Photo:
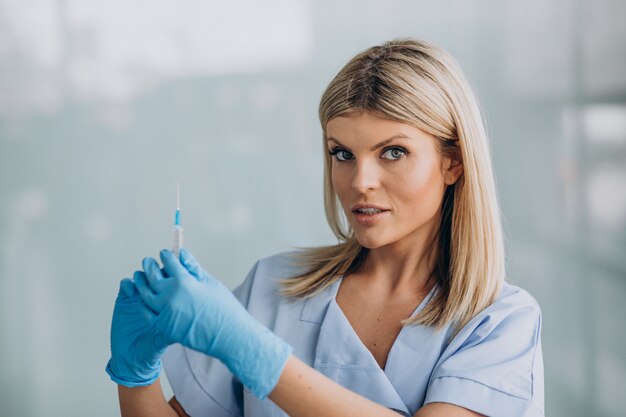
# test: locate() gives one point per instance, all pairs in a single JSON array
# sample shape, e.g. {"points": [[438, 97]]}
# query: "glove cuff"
{"points": [[131, 379], [259, 361], [265, 387]]}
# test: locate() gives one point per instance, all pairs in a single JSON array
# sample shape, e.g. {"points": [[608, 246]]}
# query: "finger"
{"points": [[153, 274], [171, 264], [145, 293], [127, 288], [192, 265]]}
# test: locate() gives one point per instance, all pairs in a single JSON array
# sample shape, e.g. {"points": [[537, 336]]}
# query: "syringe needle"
{"points": [[178, 195]]}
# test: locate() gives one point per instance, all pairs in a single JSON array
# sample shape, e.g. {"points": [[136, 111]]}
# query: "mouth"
{"points": [[368, 210], [368, 216]]}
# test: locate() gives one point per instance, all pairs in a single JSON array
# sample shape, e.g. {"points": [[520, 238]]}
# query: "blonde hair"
{"points": [[417, 83]]}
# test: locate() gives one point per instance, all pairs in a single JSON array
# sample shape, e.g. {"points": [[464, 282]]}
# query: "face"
{"points": [[393, 167]]}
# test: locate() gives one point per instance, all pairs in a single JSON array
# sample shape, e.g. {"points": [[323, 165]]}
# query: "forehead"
{"points": [[369, 128]]}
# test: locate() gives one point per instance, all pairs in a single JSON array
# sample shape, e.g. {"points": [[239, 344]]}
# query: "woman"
{"points": [[408, 314]]}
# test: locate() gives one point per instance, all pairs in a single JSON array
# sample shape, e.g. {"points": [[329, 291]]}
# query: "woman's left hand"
{"points": [[198, 311], [135, 354]]}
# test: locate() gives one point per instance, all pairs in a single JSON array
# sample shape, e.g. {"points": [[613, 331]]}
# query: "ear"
{"points": [[452, 169]]}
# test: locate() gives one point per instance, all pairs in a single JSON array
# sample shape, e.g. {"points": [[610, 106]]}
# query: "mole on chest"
{"points": [[378, 335]]}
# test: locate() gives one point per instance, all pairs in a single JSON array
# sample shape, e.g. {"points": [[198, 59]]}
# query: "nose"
{"points": [[366, 177]]}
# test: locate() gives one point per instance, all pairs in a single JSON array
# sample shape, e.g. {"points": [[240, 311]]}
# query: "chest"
{"points": [[377, 324]]}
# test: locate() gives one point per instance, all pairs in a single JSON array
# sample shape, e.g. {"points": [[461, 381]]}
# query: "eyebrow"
{"points": [[378, 145]]}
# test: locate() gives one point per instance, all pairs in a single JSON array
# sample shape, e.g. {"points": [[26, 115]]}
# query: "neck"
{"points": [[403, 267]]}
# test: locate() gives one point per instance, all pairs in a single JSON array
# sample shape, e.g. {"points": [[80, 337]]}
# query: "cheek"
{"points": [[340, 178], [340, 182], [420, 187]]}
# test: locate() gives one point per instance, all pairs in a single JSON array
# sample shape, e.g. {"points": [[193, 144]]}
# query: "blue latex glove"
{"points": [[135, 357], [198, 311]]}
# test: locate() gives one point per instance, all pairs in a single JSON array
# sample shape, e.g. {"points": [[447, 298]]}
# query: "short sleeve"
{"points": [[494, 365], [203, 385]]}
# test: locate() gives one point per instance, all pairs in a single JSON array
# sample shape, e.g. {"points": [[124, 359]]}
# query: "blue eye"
{"points": [[392, 154], [395, 153], [338, 151]]}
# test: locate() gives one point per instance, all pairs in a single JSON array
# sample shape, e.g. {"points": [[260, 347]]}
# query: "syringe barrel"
{"points": [[178, 239]]}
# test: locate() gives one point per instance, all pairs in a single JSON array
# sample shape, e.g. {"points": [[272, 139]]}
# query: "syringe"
{"points": [[178, 230]]}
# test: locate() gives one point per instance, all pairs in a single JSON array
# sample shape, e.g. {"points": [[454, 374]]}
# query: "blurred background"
{"points": [[104, 106]]}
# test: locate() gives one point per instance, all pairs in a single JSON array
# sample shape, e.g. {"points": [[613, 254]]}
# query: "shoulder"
{"points": [[513, 300], [512, 295], [269, 270], [513, 318], [496, 357], [261, 285], [279, 265], [515, 304]]}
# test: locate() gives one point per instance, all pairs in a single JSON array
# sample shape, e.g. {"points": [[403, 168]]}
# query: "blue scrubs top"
{"points": [[493, 366]]}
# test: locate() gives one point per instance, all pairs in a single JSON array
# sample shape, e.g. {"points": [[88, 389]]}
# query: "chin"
{"points": [[370, 242]]}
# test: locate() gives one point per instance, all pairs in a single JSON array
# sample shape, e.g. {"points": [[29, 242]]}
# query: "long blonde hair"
{"points": [[417, 83]]}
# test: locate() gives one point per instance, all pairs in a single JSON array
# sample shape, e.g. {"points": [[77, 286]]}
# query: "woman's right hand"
{"points": [[135, 355]]}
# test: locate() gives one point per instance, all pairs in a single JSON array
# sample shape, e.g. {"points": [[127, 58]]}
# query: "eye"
{"points": [[395, 153], [340, 154]]}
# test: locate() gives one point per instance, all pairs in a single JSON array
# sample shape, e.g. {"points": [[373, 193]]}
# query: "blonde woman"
{"points": [[408, 314]]}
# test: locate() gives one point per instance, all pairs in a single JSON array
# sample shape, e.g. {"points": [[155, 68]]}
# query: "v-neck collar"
{"points": [[399, 338], [391, 356], [314, 309], [342, 356]]}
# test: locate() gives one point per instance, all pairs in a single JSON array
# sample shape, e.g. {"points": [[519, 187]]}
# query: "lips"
{"points": [[356, 207], [369, 219]]}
